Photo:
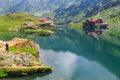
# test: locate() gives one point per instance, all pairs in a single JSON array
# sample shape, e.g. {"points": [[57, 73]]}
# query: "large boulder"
{"points": [[17, 59]]}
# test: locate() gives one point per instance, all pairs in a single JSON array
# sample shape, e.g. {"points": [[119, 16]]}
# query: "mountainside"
{"points": [[83, 8], [112, 16], [72, 10], [36, 7]]}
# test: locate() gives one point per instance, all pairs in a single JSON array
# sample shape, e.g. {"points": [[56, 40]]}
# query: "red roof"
{"points": [[93, 20], [96, 20], [43, 19]]}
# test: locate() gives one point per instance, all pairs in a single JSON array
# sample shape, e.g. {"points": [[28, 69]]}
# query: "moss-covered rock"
{"points": [[23, 71]]}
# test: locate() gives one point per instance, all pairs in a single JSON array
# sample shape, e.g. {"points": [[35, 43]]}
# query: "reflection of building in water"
{"points": [[95, 26]]}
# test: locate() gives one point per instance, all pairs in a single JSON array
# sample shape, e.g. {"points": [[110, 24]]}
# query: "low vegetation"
{"points": [[75, 25], [9, 21], [22, 23], [23, 71], [112, 15], [25, 47]]}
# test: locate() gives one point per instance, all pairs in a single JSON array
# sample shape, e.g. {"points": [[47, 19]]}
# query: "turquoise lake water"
{"points": [[77, 56]]}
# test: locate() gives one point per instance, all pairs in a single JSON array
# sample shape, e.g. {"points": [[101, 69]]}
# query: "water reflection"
{"points": [[68, 66], [104, 53], [76, 56]]}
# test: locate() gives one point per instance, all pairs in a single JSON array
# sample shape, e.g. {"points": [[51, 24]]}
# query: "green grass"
{"points": [[75, 25], [112, 16], [7, 35], [23, 49], [26, 47], [4, 72], [9, 21], [39, 32], [78, 17]]}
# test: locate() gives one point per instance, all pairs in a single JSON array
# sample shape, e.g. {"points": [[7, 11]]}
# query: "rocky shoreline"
{"points": [[13, 59], [14, 63]]}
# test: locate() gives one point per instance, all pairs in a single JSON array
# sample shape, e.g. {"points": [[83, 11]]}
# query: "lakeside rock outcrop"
{"points": [[36, 27], [13, 59], [23, 61]]}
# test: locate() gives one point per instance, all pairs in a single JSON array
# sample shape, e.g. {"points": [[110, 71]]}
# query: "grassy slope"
{"points": [[112, 16], [23, 49], [9, 21]]}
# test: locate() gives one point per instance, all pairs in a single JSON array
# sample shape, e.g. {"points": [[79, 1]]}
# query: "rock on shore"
{"points": [[24, 61], [17, 60]]}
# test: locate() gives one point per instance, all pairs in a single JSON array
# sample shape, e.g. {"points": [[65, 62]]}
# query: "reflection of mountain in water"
{"points": [[72, 40]]}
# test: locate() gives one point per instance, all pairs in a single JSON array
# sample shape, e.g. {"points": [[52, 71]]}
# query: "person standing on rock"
{"points": [[17, 47], [7, 47]]}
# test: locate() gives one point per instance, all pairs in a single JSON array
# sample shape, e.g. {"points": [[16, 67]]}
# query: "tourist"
{"points": [[7, 47], [17, 47], [37, 55]]}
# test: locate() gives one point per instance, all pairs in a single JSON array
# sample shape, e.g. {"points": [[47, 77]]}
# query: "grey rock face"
{"points": [[20, 59]]}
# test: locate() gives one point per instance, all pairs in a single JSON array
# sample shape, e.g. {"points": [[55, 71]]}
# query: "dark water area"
{"points": [[77, 56]]}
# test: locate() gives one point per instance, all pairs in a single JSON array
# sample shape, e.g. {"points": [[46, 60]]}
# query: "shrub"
{"points": [[2, 73]]}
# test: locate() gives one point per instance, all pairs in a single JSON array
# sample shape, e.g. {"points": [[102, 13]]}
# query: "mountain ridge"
{"points": [[30, 6], [83, 9], [72, 10]]}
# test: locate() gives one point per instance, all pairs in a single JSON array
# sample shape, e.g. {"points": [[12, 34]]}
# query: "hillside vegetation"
{"points": [[23, 25], [9, 21], [112, 16]]}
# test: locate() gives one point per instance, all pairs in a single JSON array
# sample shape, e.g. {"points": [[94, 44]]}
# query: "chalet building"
{"points": [[95, 26], [46, 20]]}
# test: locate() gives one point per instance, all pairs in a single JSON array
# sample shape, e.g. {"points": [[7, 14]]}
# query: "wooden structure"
{"points": [[96, 26]]}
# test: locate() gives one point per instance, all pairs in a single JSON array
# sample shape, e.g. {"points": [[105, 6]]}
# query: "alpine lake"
{"points": [[74, 56]]}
